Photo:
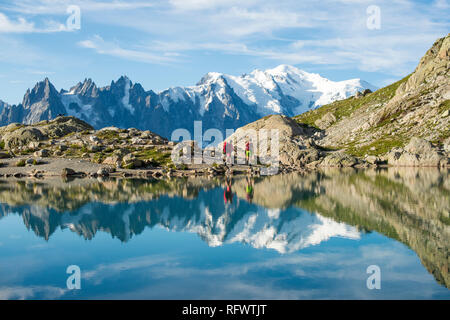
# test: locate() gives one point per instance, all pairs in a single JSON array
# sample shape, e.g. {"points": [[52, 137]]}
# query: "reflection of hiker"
{"points": [[247, 151], [249, 189], [228, 193]]}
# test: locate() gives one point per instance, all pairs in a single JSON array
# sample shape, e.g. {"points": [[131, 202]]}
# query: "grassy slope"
{"points": [[345, 108]]}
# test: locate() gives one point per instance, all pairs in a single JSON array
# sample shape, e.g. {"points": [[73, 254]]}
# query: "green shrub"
{"points": [[20, 163]]}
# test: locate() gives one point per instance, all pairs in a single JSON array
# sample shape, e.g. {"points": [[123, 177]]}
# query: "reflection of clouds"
{"points": [[104, 271], [45, 245], [22, 293], [339, 273], [16, 268]]}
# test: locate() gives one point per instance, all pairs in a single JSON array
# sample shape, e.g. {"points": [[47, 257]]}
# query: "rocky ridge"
{"points": [[380, 125]]}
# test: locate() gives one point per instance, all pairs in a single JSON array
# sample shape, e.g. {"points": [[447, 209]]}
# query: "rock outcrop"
{"points": [[277, 135], [373, 124], [417, 153], [17, 135]]}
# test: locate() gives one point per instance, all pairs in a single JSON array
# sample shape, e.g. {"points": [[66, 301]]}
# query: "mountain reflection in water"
{"points": [[408, 205]]}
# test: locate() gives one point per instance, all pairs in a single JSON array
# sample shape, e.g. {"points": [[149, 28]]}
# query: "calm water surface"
{"points": [[281, 237]]}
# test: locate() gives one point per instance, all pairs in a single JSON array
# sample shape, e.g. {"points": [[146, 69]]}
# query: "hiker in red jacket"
{"points": [[247, 152]]}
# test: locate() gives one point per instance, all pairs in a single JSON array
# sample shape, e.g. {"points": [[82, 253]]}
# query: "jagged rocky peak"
{"points": [[122, 81], [87, 88], [121, 87], [43, 90]]}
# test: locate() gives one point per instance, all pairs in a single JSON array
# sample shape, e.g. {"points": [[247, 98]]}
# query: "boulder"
{"points": [[94, 139], [94, 148], [417, 153], [112, 160], [62, 147], [418, 146], [43, 153], [104, 172], [157, 174], [446, 145], [137, 140], [338, 159], [115, 129], [4, 155], [130, 161], [373, 160], [327, 120], [22, 137], [34, 144], [121, 152], [65, 172], [366, 92]]}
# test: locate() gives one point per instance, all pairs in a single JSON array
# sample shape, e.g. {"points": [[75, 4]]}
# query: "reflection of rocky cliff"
{"points": [[411, 206]]}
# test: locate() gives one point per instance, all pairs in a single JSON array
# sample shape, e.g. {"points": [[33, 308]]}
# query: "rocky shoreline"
{"points": [[69, 147]]}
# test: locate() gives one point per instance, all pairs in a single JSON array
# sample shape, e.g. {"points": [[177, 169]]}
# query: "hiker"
{"points": [[224, 151], [247, 152]]}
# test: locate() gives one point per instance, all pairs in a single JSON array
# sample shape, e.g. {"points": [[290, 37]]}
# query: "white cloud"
{"points": [[441, 4], [32, 292], [114, 49], [21, 25], [202, 4], [8, 26], [51, 7], [330, 32], [242, 22]]}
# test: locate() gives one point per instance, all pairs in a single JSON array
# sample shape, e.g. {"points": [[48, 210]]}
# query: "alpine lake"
{"points": [[329, 234]]}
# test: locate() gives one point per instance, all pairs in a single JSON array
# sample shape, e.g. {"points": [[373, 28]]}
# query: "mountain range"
{"points": [[218, 100]]}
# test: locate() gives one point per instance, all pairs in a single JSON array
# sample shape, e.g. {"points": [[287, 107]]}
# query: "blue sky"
{"points": [[175, 42]]}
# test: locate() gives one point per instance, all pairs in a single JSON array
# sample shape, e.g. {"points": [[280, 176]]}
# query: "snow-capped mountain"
{"points": [[218, 100], [286, 89]]}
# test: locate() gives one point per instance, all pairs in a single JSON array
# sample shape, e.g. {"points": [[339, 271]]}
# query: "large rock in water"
{"points": [[295, 147], [417, 153], [21, 135]]}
